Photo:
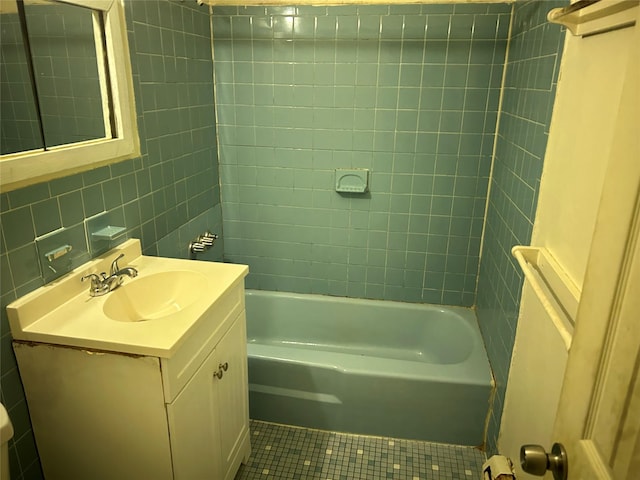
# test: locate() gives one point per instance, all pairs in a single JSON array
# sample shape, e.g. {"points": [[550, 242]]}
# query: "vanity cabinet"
{"points": [[108, 415]]}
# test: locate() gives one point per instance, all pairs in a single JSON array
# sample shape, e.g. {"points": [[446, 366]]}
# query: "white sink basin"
{"points": [[151, 314], [156, 296]]}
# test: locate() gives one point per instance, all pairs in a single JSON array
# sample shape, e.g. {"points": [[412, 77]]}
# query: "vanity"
{"points": [[148, 381]]}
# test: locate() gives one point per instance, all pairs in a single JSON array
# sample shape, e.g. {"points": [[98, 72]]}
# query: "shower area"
{"points": [[411, 95]]}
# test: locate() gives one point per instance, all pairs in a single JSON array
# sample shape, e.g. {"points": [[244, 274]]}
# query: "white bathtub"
{"points": [[366, 366]]}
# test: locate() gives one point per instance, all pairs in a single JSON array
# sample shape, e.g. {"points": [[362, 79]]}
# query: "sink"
{"points": [[151, 314], [155, 296]]}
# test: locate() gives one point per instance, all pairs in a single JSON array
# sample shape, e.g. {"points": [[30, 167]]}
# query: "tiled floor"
{"points": [[284, 452]]}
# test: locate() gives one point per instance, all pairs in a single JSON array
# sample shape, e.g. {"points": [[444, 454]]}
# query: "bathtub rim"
{"points": [[475, 369]]}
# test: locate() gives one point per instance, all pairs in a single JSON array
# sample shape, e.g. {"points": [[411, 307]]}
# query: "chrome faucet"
{"points": [[103, 284]]}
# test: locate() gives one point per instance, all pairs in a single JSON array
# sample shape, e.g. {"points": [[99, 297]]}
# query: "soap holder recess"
{"points": [[352, 180], [108, 233]]}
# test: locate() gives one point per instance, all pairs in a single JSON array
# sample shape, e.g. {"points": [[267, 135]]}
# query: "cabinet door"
{"points": [[232, 397], [195, 446], [96, 415]]}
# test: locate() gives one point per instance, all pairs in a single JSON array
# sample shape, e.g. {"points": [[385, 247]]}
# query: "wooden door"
{"points": [[598, 418]]}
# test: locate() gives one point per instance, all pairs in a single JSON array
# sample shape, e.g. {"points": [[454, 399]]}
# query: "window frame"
{"points": [[122, 142]]}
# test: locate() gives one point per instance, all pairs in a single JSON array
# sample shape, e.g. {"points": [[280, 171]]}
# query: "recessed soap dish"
{"points": [[352, 180]]}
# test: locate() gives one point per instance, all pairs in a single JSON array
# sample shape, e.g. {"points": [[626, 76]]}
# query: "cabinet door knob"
{"points": [[224, 366], [218, 374]]}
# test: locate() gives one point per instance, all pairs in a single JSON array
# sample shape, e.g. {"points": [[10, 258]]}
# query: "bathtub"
{"points": [[368, 367]]}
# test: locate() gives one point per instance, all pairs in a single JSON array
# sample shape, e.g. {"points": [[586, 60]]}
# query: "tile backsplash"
{"points": [[409, 92]]}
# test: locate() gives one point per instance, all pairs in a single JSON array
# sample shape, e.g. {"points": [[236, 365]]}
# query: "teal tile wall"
{"points": [[66, 72], [19, 129], [410, 92], [530, 84], [166, 197]]}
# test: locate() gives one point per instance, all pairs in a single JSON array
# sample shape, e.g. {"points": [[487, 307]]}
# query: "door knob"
{"points": [[536, 461]]}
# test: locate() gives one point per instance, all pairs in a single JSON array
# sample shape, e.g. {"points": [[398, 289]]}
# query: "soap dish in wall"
{"points": [[352, 180], [108, 233]]}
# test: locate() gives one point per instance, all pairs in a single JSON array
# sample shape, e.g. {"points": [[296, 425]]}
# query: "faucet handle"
{"points": [[97, 285], [94, 277], [114, 264], [208, 238], [197, 247]]}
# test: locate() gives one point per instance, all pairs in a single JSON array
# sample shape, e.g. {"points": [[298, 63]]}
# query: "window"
{"points": [[82, 112]]}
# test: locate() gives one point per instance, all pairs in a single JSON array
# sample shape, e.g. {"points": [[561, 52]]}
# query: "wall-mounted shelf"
{"points": [[591, 17], [105, 231], [108, 233]]}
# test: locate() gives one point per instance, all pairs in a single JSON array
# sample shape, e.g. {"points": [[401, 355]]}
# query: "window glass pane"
{"points": [[63, 48], [19, 126]]}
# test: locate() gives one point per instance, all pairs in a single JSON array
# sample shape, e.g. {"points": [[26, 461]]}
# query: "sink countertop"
{"points": [[64, 313]]}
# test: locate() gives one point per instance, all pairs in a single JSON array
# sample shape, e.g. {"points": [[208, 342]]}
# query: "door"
{"points": [[232, 397], [195, 443], [598, 418]]}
